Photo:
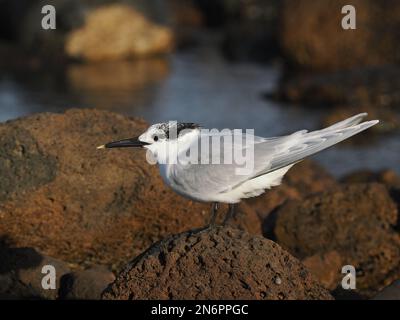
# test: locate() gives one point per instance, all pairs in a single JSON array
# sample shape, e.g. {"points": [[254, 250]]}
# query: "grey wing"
{"points": [[302, 144], [206, 176]]}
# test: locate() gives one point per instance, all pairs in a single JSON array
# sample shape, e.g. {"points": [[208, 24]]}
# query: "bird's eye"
{"points": [[155, 138]]}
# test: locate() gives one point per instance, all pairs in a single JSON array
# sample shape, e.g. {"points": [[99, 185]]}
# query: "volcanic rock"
{"points": [[312, 35], [215, 263], [84, 206], [358, 221], [85, 284], [21, 273], [326, 268]]}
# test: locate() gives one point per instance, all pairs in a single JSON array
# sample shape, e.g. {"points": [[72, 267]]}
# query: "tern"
{"points": [[220, 182]]}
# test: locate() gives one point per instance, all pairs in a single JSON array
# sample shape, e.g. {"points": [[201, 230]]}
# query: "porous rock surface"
{"points": [[216, 263], [358, 222]]}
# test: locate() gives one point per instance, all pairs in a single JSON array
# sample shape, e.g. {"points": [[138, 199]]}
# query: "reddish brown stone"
{"points": [[217, 263], [85, 284], [85, 206], [357, 220], [326, 268]]}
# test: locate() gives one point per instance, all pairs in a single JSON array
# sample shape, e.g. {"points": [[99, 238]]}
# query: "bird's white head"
{"points": [[164, 140]]}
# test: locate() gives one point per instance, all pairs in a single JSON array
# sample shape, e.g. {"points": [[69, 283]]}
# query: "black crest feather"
{"points": [[179, 127]]}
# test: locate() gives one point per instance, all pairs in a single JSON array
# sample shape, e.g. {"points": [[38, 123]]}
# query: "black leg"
{"points": [[214, 211], [230, 214]]}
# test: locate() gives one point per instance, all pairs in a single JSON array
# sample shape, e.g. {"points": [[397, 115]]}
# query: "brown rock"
{"points": [[388, 177], [309, 177], [85, 206], [356, 220], [373, 88], [86, 284], [21, 273], [326, 268], [267, 202], [216, 263], [117, 31], [346, 93], [312, 36]]}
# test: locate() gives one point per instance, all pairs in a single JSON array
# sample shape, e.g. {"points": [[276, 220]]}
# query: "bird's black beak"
{"points": [[125, 143]]}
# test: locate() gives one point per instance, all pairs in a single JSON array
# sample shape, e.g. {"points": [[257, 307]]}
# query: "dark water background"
{"points": [[197, 86]]}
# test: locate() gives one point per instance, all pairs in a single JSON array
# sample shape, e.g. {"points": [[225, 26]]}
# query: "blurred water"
{"points": [[198, 86]]}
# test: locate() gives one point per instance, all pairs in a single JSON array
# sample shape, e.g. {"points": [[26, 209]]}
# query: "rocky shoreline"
{"points": [[107, 222], [90, 213]]}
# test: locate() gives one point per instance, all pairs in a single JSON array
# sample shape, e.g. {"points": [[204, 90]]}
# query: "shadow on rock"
{"points": [[85, 284], [21, 273]]}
